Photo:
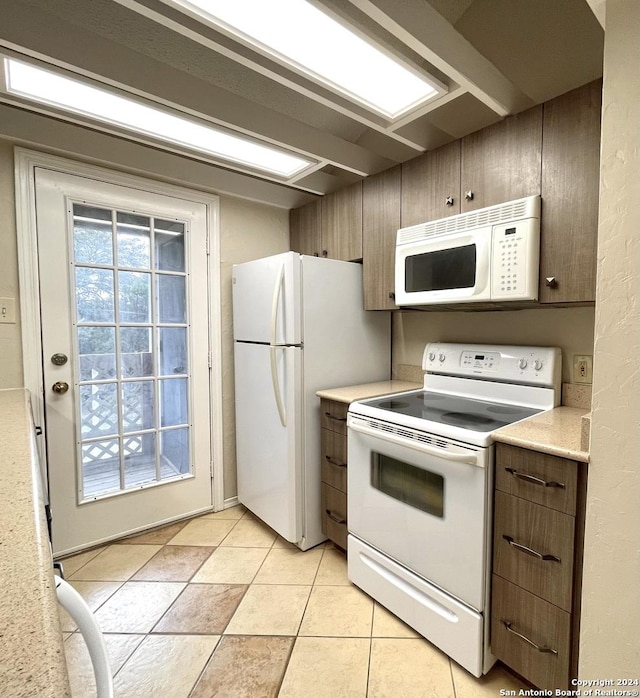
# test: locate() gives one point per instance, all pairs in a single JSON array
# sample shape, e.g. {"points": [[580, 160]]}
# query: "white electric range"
{"points": [[420, 481]]}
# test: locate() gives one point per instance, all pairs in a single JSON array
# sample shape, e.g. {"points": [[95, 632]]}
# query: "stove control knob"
{"points": [[432, 356], [537, 364], [441, 357], [522, 363]]}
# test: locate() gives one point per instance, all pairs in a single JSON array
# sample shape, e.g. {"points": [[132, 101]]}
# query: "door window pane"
{"points": [[98, 409], [94, 295], [97, 348], [169, 236], [92, 235], [100, 467], [137, 406], [174, 452], [139, 459], [136, 352], [173, 350], [408, 484], [173, 402], [171, 299], [134, 290], [134, 241]]}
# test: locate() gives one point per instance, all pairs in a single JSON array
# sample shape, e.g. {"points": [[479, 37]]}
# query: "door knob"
{"points": [[60, 387]]}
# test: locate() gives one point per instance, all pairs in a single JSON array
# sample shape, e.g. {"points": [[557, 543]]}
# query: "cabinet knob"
{"points": [[449, 201], [325, 253], [468, 195], [392, 295], [316, 254], [551, 282]]}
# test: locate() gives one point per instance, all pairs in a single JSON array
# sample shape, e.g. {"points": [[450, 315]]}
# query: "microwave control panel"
{"points": [[515, 254]]}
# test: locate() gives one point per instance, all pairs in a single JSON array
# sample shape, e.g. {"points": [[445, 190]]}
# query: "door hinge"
{"points": [[207, 242], [209, 359]]}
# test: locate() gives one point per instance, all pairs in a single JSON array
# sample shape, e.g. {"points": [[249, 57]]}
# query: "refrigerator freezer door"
{"points": [[266, 300], [268, 452]]}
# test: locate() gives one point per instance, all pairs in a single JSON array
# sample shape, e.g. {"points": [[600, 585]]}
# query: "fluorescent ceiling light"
{"points": [[299, 34], [72, 95]]}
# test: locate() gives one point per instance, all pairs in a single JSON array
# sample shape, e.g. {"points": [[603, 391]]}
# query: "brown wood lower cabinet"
{"points": [[538, 536], [333, 440]]}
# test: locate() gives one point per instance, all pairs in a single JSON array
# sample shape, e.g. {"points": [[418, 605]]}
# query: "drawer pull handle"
{"points": [[335, 517], [335, 462], [335, 419], [530, 551], [534, 480], [547, 650]]}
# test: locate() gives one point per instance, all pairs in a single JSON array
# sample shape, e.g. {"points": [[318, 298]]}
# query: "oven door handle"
{"points": [[471, 457]]}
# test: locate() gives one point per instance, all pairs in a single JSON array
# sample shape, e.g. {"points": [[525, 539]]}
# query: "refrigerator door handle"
{"points": [[277, 290], [276, 385]]}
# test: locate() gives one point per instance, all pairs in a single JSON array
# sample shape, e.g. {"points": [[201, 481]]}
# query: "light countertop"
{"points": [[366, 390], [33, 660], [557, 432]]}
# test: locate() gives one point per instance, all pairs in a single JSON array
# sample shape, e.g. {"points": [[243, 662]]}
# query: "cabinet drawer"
{"points": [[521, 529], [334, 515], [334, 459], [538, 623], [334, 416], [538, 477]]}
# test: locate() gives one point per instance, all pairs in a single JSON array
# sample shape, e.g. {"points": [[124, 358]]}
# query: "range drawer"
{"points": [[334, 459], [530, 635], [334, 515], [538, 477], [533, 547], [334, 416]]}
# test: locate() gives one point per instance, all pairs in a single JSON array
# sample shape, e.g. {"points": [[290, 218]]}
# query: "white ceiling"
{"points": [[497, 57]]}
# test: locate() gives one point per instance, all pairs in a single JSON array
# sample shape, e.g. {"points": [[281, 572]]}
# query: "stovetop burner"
{"points": [[442, 408]]}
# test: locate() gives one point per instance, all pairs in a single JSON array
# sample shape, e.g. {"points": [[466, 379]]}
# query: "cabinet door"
{"points": [[429, 182], [502, 162], [305, 229], [342, 223], [570, 183], [380, 223]]}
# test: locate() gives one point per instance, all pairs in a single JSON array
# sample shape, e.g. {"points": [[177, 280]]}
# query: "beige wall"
{"points": [[610, 632], [571, 329], [248, 230], [10, 342]]}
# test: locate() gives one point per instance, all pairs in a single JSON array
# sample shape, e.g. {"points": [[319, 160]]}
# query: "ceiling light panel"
{"points": [[305, 38], [48, 87]]}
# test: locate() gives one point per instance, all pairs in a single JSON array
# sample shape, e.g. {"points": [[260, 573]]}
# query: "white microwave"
{"points": [[491, 254]]}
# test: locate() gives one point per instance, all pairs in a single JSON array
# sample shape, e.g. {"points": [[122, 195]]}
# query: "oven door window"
{"points": [[413, 486], [452, 268]]}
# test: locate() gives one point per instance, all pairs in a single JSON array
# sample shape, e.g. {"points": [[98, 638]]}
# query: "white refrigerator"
{"points": [[299, 326]]}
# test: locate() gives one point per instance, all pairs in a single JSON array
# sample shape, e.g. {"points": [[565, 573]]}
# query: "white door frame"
{"points": [[27, 240]]}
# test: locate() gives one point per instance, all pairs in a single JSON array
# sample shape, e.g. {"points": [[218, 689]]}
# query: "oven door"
{"points": [[423, 501], [444, 269]]}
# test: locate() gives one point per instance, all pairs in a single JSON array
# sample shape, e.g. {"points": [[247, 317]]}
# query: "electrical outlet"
{"points": [[582, 368], [8, 310]]}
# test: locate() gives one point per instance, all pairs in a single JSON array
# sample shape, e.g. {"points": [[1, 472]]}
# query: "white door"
{"points": [[266, 300], [123, 285], [268, 438], [423, 501]]}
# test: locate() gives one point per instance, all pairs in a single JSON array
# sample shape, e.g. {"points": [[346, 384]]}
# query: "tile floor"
{"points": [[221, 606]]}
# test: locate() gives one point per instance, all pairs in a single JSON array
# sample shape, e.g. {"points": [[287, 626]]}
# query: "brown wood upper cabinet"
{"points": [[570, 182], [342, 223], [380, 222], [306, 228], [431, 185], [502, 162]]}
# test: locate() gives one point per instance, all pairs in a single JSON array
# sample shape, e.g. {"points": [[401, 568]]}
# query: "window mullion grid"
{"points": [[155, 341], [116, 309]]}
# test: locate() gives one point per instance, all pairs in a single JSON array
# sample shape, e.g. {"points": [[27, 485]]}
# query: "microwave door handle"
{"points": [[470, 458], [277, 290]]}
